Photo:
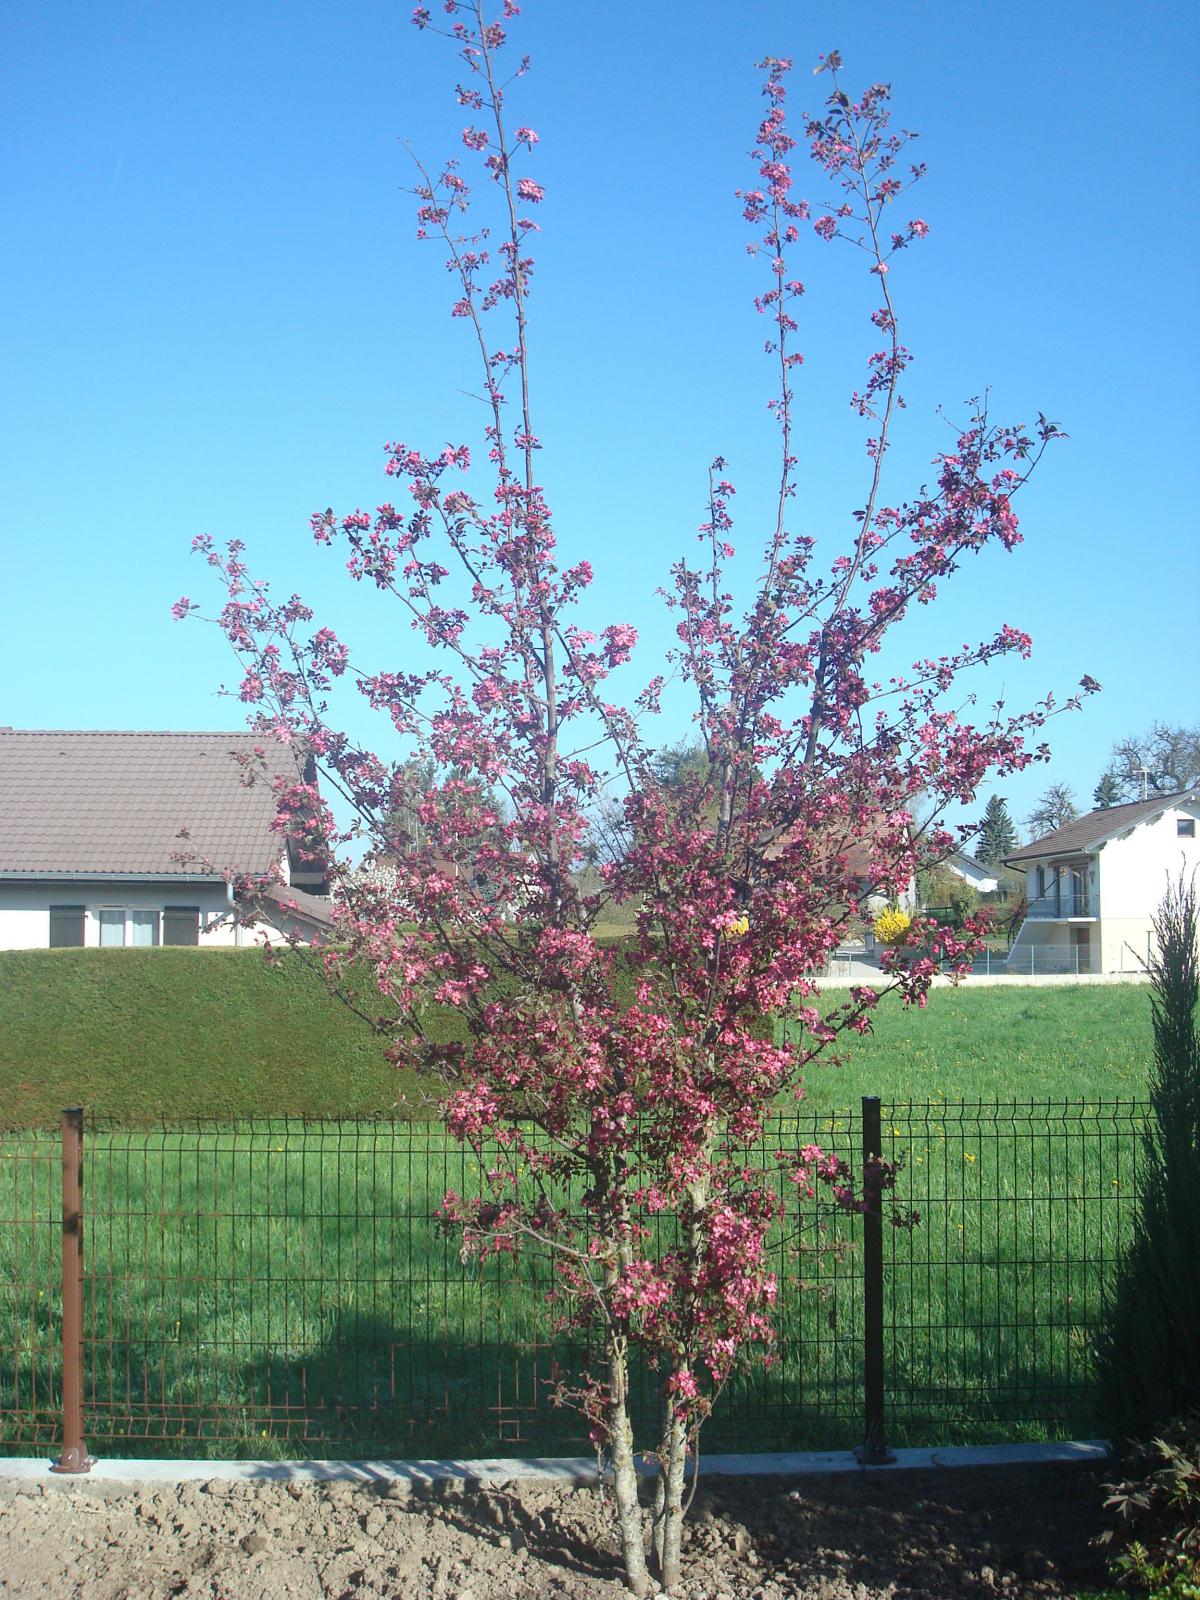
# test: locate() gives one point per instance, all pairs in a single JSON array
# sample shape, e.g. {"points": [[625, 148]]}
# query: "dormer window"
{"points": [[1185, 827]]}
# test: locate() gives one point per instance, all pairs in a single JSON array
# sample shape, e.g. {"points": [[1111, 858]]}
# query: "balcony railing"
{"points": [[1064, 902]]}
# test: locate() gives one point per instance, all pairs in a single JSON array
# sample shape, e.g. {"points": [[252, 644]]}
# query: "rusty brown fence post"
{"points": [[874, 1450], [74, 1456]]}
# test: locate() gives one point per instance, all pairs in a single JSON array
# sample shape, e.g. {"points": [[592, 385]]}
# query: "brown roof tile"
{"points": [[115, 802], [1086, 832], [313, 908]]}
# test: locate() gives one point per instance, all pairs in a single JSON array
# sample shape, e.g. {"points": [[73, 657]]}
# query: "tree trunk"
{"points": [[669, 1532], [668, 1522], [620, 1430], [658, 1519], [625, 1483]]}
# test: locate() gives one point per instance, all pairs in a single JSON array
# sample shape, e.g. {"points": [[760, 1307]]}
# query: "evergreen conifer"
{"points": [[1149, 1353]]}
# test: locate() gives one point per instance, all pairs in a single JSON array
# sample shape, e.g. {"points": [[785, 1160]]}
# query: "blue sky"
{"points": [[217, 312]]}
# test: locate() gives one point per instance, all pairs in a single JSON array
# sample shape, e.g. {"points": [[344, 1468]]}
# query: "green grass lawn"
{"points": [[1051, 1042], [219, 1032], [281, 1288], [285, 1291], [185, 1033]]}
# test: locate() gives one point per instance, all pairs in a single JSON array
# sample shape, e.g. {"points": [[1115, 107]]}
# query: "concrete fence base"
{"points": [[554, 1469]]}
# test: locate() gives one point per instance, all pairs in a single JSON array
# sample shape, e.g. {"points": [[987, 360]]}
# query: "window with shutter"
{"points": [[66, 926], [181, 925]]}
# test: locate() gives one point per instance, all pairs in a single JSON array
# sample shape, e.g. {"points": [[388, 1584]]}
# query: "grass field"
{"points": [[284, 1290], [219, 1033], [280, 1287], [1053, 1042], [183, 1032]]}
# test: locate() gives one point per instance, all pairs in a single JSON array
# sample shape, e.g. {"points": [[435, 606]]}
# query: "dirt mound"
{"points": [[1014, 1532]]}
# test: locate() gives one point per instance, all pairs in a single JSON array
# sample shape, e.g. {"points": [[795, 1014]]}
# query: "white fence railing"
{"points": [[1035, 960]]}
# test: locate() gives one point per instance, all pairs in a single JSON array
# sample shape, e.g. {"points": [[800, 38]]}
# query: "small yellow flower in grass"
{"points": [[967, 1156], [892, 925]]}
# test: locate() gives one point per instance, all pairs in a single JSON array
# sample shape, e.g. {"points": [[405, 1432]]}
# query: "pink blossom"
{"points": [[619, 641], [615, 1098]]}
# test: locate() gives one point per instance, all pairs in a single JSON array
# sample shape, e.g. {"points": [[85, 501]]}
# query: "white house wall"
{"points": [[971, 872], [25, 911], [1045, 935], [1134, 871]]}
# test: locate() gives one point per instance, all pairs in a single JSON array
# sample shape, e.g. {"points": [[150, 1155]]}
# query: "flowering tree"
{"points": [[627, 1084]]}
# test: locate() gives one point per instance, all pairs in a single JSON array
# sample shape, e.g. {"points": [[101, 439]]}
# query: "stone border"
{"points": [[551, 1469]]}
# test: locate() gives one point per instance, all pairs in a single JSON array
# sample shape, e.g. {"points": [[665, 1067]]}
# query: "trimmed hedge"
{"points": [[189, 1033], [186, 1033]]}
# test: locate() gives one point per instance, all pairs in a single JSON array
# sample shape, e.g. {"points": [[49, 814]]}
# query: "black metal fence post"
{"points": [[874, 1450], [74, 1457]]}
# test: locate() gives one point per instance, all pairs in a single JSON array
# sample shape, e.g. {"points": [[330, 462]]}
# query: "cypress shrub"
{"points": [[1149, 1352]]}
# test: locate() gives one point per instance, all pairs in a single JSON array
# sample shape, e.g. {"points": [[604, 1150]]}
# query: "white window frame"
{"points": [[127, 915], [144, 911]]}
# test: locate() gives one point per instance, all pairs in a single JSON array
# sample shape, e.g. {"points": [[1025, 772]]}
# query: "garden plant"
{"points": [[1149, 1358], [627, 1082], [1156, 1516]]}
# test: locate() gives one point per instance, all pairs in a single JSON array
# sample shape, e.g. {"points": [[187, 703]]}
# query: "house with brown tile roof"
{"points": [[1094, 884], [118, 838]]}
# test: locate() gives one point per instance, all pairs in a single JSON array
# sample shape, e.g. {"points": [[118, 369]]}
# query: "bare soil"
{"points": [[982, 1531]]}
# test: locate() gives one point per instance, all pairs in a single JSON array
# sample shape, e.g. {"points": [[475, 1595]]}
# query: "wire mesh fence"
{"points": [[283, 1288], [30, 1288], [994, 1300]]}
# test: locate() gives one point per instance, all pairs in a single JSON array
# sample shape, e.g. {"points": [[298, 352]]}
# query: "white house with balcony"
{"points": [[1092, 886], [149, 838]]}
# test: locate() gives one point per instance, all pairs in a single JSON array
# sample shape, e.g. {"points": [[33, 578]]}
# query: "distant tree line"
{"points": [[1164, 761]]}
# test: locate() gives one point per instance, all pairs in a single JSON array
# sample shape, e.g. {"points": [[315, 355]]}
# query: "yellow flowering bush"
{"points": [[892, 925]]}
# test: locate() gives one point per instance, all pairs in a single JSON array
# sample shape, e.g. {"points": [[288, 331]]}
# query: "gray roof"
{"points": [[1088, 831], [115, 803], [973, 861], [305, 907]]}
